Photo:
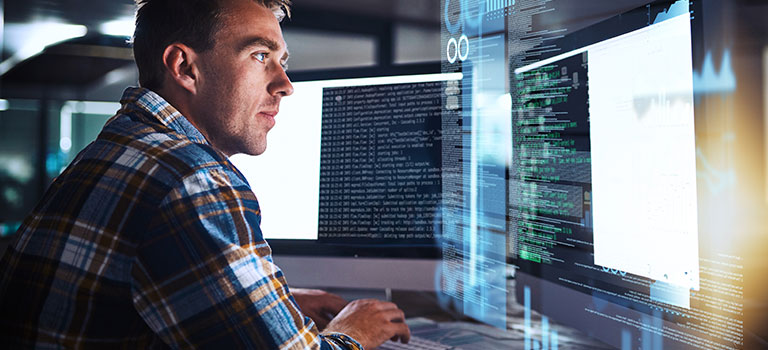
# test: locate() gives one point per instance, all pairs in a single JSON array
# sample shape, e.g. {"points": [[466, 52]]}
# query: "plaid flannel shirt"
{"points": [[149, 239]]}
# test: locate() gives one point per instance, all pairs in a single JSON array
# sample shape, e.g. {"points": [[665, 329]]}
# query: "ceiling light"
{"points": [[119, 27], [36, 37]]}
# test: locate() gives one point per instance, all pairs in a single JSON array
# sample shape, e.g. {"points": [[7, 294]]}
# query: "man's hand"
{"points": [[371, 322], [319, 305]]}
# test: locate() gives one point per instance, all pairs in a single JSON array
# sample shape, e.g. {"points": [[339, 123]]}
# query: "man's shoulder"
{"points": [[130, 142]]}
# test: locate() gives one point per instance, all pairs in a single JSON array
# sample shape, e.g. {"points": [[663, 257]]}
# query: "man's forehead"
{"points": [[247, 19]]}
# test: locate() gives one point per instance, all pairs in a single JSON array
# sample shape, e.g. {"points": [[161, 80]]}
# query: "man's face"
{"points": [[242, 79]]}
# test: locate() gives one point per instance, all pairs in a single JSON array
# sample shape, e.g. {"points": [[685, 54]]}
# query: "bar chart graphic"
{"points": [[549, 338], [493, 5]]}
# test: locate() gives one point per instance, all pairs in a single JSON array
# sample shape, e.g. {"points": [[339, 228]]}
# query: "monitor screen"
{"points": [[614, 122], [353, 161]]}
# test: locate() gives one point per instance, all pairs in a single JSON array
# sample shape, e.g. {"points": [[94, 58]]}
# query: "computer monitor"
{"points": [[350, 182], [608, 238]]}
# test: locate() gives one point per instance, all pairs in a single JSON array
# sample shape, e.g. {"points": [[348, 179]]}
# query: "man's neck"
{"points": [[181, 101]]}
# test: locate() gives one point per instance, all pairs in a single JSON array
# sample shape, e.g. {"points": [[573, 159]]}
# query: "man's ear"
{"points": [[180, 62]]}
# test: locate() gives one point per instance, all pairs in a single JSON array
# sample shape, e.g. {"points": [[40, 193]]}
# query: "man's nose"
{"points": [[280, 84]]}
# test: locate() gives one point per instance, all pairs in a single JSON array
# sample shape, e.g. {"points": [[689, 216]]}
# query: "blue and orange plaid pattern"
{"points": [[149, 239]]}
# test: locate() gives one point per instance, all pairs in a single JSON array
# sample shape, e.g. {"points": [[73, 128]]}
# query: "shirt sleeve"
{"points": [[204, 276]]}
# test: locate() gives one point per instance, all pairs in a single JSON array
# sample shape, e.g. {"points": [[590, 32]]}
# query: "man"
{"points": [[150, 238]]}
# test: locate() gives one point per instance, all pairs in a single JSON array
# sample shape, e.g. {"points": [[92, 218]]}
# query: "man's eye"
{"points": [[260, 56]]}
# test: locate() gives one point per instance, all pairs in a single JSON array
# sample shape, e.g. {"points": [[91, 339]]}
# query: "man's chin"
{"points": [[256, 150], [253, 148]]}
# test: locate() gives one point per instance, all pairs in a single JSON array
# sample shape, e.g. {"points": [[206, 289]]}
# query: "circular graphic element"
{"points": [[451, 27], [458, 49], [452, 41]]}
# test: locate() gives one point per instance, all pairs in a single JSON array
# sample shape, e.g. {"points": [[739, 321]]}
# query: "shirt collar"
{"points": [[158, 109]]}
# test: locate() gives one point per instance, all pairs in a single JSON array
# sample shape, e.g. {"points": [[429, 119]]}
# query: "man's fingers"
{"points": [[401, 331], [385, 305], [395, 316]]}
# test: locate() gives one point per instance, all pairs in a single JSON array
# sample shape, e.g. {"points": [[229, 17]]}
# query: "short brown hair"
{"points": [[160, 23]]}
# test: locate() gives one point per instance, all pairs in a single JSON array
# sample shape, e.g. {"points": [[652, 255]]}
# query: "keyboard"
{"points": [[416, 343]]}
